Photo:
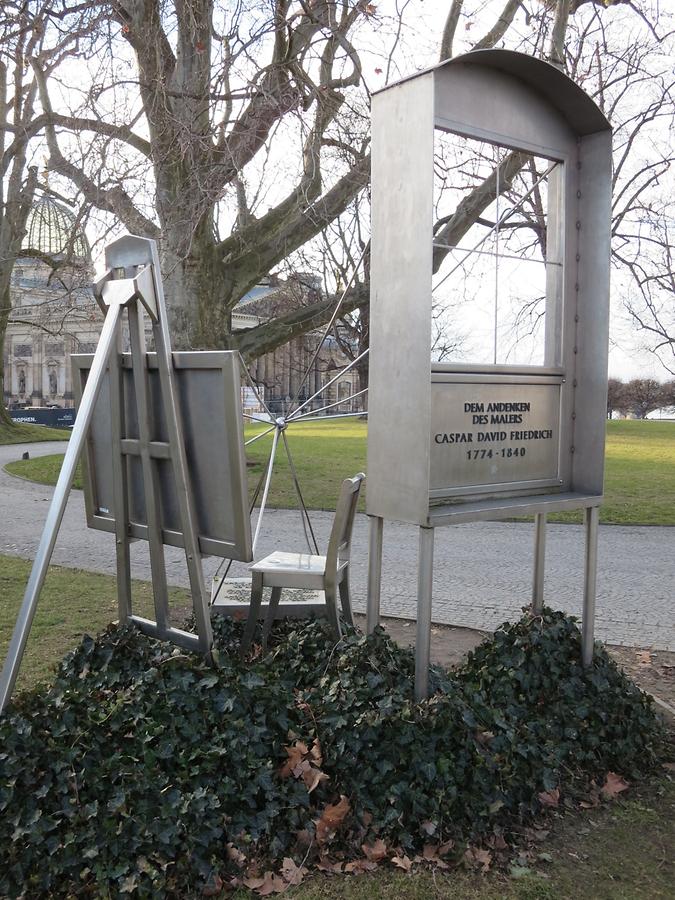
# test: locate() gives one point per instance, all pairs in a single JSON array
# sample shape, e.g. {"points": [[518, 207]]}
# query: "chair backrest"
{"points": [[340, 540]]}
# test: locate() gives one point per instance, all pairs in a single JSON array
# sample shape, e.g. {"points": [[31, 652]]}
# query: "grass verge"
{"points": [[27, 434], [72, 603], [621, 852], [639, 474]]}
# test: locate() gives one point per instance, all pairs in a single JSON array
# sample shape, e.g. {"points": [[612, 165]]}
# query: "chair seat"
{"points": [[306, 570], [291, 562], [295, 570]]}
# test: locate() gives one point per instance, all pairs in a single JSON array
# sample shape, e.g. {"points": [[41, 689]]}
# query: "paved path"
{"points": [[482, 572]]}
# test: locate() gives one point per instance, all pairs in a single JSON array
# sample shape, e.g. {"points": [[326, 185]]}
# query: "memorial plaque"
{"points": [[493, 432]]}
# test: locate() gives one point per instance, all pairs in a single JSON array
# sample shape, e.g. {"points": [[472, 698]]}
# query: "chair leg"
{"points": [[253, 612], [271, 615], [332, 611], [346, 601]]}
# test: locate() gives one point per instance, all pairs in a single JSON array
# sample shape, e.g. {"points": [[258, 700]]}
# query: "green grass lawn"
{"points": [[621, 852], [72, 603], [624, 851], [639, 475], [26, 434]]}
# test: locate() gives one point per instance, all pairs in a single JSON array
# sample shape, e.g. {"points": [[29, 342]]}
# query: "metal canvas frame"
{"points": [[515, 101], [132, 283], [214, 446]]}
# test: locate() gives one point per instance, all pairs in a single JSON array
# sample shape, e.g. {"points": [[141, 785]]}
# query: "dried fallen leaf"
{"points": [[497, 842], [296, 753], [444, 849], [303, 763], [644, 658], [428, 827], [359, 866], [325, 865], [313, 778], [550, 798], [475, 857], [291, 872], [613, 786], [376, 851], [330, 820], [213, 887], [315, 753], [268, 884], [235, 855], [402, 862]]}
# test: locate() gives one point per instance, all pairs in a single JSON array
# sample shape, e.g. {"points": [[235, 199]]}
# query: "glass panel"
{"points": [[494, 259]]}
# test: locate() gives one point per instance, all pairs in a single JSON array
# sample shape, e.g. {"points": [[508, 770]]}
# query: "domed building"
{"points": [[53, 313]]}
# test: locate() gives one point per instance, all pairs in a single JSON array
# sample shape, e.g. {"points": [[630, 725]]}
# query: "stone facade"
{"points": [[54, 312]]}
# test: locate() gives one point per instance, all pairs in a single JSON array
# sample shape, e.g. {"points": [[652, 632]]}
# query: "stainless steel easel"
{"points": [[132, 282]]}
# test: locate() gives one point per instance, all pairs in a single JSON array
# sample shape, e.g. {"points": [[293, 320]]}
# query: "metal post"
{"points": [[174, 425], [106, 344], [151, 487], [591, 519], [425, 583], [375, 530], [539, 562], [119, 483]]}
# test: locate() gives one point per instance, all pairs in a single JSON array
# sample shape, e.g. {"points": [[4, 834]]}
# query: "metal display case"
{"points": [[458, 442]]}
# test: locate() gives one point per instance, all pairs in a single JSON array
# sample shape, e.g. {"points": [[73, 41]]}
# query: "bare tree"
{"points": [[643, 395], [235, 133], [24, 37], [616, 397]]}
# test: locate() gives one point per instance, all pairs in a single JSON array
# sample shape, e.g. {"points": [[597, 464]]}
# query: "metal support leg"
{"points": [[425, 582], [539, 562], [591, 519], [120, 492], [376, 527], [17, 645], [272, 611], [253, 612]]}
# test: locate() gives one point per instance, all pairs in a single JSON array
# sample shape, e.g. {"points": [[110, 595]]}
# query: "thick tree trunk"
{"points": [[195, 286], [5, 306]]}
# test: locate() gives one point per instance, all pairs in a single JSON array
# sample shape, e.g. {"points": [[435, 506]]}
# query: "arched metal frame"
{"points": [[518, 102]]}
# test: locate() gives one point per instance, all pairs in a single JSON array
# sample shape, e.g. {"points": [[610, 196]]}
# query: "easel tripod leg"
{"points": [[57, 507], [591, 520], [425, 579]]}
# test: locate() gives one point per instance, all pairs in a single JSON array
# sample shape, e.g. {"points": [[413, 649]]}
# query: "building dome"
{"points": [[52, 229]]}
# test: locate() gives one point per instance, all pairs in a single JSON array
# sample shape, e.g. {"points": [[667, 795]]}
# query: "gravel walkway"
{"points": [[482, 571]]}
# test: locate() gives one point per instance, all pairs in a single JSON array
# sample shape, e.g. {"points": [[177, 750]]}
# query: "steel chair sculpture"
{"points": [[329, 573]]}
